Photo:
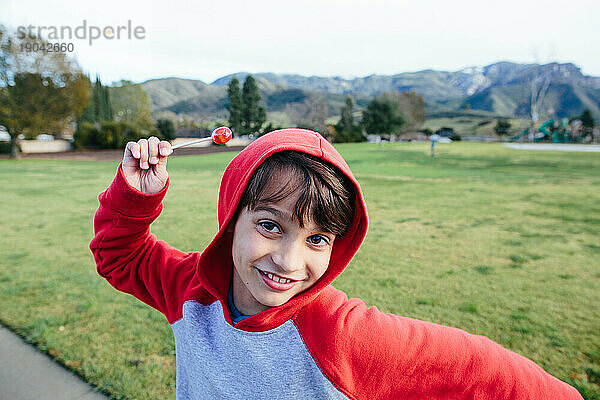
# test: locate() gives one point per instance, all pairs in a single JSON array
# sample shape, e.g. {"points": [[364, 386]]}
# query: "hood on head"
{"points": [[216, 264]]}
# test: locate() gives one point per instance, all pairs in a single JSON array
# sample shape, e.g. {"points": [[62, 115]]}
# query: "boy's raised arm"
{"points": [[125, 251]]}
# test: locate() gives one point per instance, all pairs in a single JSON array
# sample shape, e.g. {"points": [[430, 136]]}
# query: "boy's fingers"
{"points": [[165, 151], [143, 143], [153, 150], [164, 148], [132, 149]]}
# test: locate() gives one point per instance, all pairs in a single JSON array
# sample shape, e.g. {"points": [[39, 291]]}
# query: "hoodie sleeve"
{"points": [[130, 257], [368, 354]]}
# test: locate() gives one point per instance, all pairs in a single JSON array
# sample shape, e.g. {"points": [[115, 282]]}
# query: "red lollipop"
{"points": [[221, 135]]}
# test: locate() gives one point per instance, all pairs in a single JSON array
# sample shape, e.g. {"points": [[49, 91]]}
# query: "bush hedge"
{"points": [[4, 147], [109, 135]]}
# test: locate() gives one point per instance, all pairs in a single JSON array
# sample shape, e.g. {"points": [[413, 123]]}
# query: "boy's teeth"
{"points": [[276, 279]]}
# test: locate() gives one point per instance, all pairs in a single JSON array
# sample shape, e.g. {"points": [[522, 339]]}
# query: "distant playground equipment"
{"points": [[555, 132]]}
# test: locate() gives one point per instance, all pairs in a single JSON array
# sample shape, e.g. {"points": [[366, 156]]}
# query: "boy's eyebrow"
{"points": [[272, 210]]}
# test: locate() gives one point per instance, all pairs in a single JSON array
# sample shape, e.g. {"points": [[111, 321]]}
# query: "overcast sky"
{"points": [[209, 39]]}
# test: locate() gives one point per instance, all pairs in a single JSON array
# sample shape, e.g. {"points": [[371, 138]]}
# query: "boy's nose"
{"points": [[289, 257]]}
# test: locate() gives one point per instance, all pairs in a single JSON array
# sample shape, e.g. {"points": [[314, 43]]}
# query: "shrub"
{"points": [[109, 135], [353, 136], [502, 127], [166, 128], [86, 136], [454, 136], [4, 147]]}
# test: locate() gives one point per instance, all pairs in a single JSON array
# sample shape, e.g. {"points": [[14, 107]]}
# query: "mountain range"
{"points": [[502, 89]]}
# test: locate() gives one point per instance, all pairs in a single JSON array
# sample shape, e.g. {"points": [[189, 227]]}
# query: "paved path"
{"points": [[116, 155], [27, 374], [587, 148]]}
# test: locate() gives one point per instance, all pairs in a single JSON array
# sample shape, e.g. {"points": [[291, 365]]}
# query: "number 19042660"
{"points": [[47, 47]]}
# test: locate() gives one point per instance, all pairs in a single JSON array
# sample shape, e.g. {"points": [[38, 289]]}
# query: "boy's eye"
{"points": [[269, 226], [318, 240]]}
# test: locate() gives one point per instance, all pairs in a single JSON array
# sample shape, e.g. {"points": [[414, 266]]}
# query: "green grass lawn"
{"points": [[498, 242]]}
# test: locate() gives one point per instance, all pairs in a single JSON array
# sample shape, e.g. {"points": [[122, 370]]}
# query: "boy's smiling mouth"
{"points": [[275, 281]]}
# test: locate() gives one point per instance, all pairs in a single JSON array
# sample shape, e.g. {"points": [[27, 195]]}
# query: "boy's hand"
{"points": [[145, 164]]}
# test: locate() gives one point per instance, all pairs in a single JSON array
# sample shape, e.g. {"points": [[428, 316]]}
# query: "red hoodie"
{"points": [[332, 347]]}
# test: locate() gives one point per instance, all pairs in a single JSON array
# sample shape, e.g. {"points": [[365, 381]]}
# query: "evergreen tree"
{"points": [[99, 109], [346, 130], [107, 112], [586, 119], [253, 115], [97, 100], [88, 112], [346, 123], [234, 106]]}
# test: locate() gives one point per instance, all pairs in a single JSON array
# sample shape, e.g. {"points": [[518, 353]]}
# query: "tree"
{"points": [[346, 122], [381, 116], [89, 113], [130, 104], [39, 91], [234, 106], [106, 111], [586, 119], [412, 109], [346, 130], [116, 115], [410, 106], [100, 108], [253, 114], [502, 127], [96, 100]]}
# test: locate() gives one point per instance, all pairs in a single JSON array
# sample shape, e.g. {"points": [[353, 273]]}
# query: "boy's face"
{"points": [[274, 259]]}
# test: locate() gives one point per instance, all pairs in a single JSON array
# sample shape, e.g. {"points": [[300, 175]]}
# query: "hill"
{"points": [[499, 89]]}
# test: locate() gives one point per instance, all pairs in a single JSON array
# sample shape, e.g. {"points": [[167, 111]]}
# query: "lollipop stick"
{"points": [[220, 135], [192, 142]]}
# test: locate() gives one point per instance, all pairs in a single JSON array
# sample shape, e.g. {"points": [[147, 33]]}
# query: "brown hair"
{"points": [[326, 195]]}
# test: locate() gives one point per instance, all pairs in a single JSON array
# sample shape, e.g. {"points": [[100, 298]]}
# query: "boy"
{"points": [[254, 315]]}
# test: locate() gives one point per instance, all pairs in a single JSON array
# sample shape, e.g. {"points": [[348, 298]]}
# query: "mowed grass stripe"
{"points": [[495, 241]]}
